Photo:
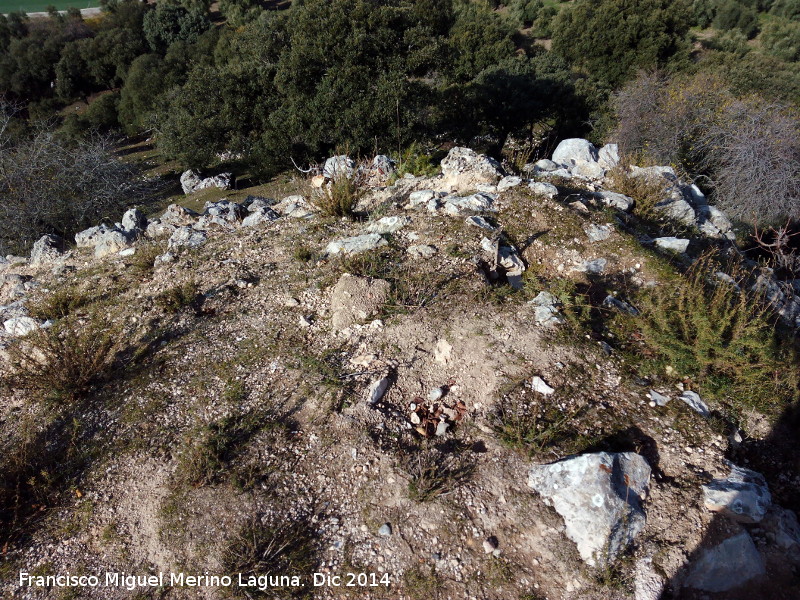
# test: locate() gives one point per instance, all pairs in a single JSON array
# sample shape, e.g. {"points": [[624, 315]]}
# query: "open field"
{"points": [[7, 6]]}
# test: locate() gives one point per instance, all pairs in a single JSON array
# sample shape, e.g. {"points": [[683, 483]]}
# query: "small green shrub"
{"points": [[530, 427], [64, 361], [645, 192], [143, 261], [59, 303], [175, 299], [415, 161], [434, 472], [720, 337], [339, 197], [281, 547]]}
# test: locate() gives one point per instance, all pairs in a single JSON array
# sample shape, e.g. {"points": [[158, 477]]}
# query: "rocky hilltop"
{"points": [[451, 393]]}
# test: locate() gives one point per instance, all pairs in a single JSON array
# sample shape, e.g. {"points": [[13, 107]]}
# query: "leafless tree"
{"points": [[754, 152], [744, 150], [49, 186]]}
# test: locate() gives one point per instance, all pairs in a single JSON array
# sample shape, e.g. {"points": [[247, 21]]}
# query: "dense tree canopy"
{"points": [[612, 38]]}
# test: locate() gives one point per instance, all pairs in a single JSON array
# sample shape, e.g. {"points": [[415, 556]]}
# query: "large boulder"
{"points": [[743, 495], [104, 239], [192, 182], [224, 214], [178, 216], [726, 566], [608, 156], [460, 205], [599, 497], [134, 221], [47, 250], [464, 169], [574, 151], [187, 237], [356, 299], [338, 166]]}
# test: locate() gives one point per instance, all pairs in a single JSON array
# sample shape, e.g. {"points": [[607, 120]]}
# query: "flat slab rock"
{"points": [[599, 497], [729, 565], [355, 245]]}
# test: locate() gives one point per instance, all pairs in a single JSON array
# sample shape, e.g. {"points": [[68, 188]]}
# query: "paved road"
{"points": [[86, 12]]}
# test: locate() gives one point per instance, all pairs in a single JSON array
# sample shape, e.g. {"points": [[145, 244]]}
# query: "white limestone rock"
{"points": [[599, 496]]}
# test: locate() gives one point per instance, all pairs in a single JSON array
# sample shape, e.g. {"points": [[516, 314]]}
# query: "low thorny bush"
{"points": [[339, 197], [716, 335], [64, 361]]}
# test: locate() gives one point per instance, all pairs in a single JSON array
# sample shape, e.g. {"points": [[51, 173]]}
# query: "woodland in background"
{"points": [[269, 83]]}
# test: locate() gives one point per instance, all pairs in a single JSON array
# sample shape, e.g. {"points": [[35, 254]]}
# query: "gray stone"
{"points": [[693, 400], [127, 252], [295, 207], [464, 168], [377, 390], [20, 326], [479, 222], [134, 221], [677, 210], [729, 565], [545, 309], [658, 399], [615, 200], [386, 225], [192, 182], [420, 197], [743, 495], [47, 250], [608, 156], [545, 165], [598, 233], [109, 240], [612, 302], [458, 205], [256, 203], [541, 188], [599, 497], [588, 170], [508, 182], [355, 245], [261, 215], [156, 229], [574, 150], [337, 166], [385, 530], [224, 214], [422, 251], [782, 526], [672, 244], [594, 267], [178, 216], [187, 237], [189, 181], [381, 169]]}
